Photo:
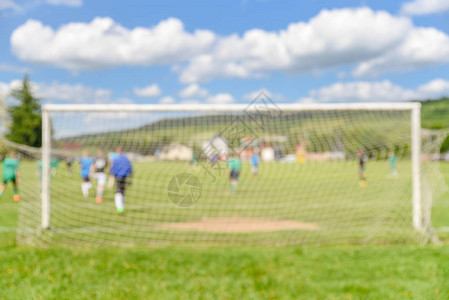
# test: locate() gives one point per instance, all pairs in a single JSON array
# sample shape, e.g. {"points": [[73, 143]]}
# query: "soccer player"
{"points": [[121, 169], [69, 162], [193, 160], [86, 165], [362, 166], [100, 176], [255, 160], [11, 173], [39, 169], [235, 166], [54, 162], [393, 159]]}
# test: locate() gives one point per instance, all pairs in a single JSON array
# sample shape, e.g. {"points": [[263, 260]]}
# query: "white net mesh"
{"points": [[309, 187]]}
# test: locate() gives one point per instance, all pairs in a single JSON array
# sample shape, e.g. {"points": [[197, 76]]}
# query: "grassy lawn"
{"points": [[65, 271], [395, 272]]}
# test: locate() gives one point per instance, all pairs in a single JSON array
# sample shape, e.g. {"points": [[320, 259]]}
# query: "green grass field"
{"points": [[325, 195], [69, 269]]}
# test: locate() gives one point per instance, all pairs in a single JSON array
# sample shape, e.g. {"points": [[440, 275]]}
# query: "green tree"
{"points": [[26, 121]]}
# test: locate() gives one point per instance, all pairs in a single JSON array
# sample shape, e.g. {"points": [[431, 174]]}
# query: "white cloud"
{"points": [[435, 88], [332, 38], [7, 87], [363, 91], [72, 93], [148, 91], [222, 98], [193, 90], [206, 67], [55, 91], [11, 68], [73, 3], [373, 42], [4, 90], [167, 100], [273, 96], [8, 4], [422, 47], [425, 7], [379, 91], [104, 43]]}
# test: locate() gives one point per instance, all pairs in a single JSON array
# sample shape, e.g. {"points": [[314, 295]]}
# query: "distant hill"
{"points": [[435, 113], [322, 131], [333, 129]]}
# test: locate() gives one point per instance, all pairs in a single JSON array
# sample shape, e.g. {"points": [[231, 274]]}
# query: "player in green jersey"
{"points": [[10, 172], [392, 158], [234, 166]]}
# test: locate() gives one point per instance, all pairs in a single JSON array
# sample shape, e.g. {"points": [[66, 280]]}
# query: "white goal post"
{"points": [[413, 107]]}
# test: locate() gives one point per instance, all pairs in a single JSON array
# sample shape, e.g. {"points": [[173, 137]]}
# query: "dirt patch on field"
{"points": [[239, 225]]}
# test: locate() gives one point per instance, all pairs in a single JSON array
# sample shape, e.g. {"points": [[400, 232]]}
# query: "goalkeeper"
{"points": [[235, 166], [11, 173], [121, 169]]}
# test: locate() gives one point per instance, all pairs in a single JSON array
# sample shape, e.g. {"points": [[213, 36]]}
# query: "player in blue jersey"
{"points": [[86, 166], [121, 169], [255, 161]]}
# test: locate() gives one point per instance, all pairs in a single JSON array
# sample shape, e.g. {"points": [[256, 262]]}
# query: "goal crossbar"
{"points": [[227, 107]]}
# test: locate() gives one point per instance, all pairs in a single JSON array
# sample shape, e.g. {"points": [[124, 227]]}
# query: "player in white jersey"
{"points": [[101, 162]]}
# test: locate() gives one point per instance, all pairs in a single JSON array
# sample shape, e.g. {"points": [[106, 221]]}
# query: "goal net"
{"points": [[257, 174]]}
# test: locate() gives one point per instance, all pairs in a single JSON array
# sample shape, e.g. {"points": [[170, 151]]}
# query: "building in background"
{"points": [[176, 151]]}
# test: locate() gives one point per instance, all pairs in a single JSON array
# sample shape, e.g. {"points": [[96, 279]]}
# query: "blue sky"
{"points": [[79, 51]]}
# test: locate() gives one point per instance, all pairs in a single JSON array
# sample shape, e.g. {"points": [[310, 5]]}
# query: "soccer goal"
{"points": [[257, 174]]}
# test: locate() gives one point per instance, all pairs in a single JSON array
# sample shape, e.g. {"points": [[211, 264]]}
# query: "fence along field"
{"points": [[289, 203]]}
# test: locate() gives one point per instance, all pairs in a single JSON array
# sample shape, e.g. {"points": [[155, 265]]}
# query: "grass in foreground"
{"points": [[226, 273]]}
